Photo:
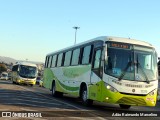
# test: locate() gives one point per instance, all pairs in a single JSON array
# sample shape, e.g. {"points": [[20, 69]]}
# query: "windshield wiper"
{"points": [[138, 64], [125, 70]]}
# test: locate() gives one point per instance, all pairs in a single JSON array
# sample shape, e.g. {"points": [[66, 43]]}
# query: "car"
{"points": [[4, 76]]}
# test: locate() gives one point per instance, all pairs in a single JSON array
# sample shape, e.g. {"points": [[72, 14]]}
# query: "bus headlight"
{"points": [[109, 87], [153, 92]]}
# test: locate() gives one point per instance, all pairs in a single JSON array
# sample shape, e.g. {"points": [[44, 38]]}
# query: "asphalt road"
{"points": [[26, 102]]}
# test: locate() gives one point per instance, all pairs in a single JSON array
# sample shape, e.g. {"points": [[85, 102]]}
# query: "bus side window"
{"points": [[54, 60], [59, 61], [75, 57], [86, 55], [67, 59], [50, 61]]}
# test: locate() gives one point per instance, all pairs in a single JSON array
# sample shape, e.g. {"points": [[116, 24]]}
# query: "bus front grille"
{"points": [[131, 101]]}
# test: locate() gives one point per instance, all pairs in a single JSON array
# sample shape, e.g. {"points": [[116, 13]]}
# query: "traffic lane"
{"points": [[77, 102], [23, 98], [99, 109], [17, 95]]}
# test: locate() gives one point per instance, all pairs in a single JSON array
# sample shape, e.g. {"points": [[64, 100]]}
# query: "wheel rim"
{"points": [[84, 95]]}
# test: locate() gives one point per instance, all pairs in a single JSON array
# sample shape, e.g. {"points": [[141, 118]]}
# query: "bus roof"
{"points": [[124, 40], [26, 63], [109, 38]]}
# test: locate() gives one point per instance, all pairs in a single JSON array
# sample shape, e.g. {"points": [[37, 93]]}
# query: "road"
{"points": [[36, 102]]}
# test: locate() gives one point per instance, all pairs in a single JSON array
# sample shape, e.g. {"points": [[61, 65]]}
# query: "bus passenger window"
{"points": [[67, 58], [59, 63], [54, 60], [75, 57], [50, 61], [86, 55]]}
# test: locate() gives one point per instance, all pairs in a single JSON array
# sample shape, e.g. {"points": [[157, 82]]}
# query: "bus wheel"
{"points": [[13, 82], [124, 106], [85, 101], [54, 92]]}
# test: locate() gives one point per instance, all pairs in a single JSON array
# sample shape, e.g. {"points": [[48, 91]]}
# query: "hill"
{"points": [[9, 60]]}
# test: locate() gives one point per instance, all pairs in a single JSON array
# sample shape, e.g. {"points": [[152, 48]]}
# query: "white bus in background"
{"points": [[24, 73]]}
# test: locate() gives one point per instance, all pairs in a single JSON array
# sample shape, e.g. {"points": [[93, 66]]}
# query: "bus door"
{"points": [[96, 74]]}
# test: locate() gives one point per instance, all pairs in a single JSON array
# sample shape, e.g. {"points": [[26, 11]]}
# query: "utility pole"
{"points": [[75, 27]]}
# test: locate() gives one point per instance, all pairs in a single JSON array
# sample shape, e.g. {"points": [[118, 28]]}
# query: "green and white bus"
{"points": [[24, 73], [105, 69]]}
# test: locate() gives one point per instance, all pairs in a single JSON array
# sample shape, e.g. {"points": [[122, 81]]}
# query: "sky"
{"points": [[30, 29]]}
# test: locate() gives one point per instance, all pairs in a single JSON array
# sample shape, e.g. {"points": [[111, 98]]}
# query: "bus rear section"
{"points": [[24, 73]]}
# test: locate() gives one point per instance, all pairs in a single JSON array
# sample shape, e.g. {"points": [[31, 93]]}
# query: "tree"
{"points": [[2, 67]]}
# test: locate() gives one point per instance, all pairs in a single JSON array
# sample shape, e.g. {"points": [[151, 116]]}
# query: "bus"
{"points": [[24, 73], [107, 69]]}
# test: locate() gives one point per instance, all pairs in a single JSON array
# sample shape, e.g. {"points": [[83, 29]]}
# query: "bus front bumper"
{"points": [[31, 82], [134, 100]]}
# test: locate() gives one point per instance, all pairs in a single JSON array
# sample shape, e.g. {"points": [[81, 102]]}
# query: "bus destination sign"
{"points": [[120, 45]]}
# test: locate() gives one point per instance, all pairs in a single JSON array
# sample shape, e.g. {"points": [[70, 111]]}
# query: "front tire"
{"points": [[84, 97]]}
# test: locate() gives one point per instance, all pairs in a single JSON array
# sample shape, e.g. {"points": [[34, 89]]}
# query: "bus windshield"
{"points": [[27, 71], [137, 64]]}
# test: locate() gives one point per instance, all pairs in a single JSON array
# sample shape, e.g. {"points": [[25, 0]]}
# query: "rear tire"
{"points": [[84, 97], [124, 106], [54, 92]]}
